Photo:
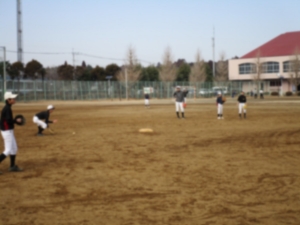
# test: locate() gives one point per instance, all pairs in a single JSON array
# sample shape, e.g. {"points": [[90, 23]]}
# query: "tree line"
{"points": [[132, 70]]}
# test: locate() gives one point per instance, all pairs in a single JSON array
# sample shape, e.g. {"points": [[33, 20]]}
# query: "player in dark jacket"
{"points": [[7, 132], [220, 103], [179, 99], [242, 104], [147, 100], [44, 115]]}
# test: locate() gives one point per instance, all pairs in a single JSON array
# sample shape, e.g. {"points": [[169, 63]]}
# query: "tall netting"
{"points": [[35, 90]]}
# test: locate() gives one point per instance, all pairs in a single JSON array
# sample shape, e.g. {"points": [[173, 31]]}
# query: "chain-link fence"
{"points": [[34, 90]]}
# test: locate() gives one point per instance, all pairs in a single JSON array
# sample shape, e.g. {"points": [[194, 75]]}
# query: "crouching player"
{"points": [[44, 115]]}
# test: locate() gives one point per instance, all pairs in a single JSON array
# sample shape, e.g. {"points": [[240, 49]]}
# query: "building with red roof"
{"points": [[270, 63]]}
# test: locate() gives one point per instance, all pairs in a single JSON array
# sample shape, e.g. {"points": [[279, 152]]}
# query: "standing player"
{"points": [[261, 94], [179, 99], [220, 103], [147, 100], [44, 115], [242, 104], [7, 132]]}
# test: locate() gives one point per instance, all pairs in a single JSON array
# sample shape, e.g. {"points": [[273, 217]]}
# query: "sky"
{"points": [[100, 32]]}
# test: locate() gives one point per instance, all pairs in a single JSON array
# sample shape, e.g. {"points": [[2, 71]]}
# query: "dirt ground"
{"points": [[197, 171]]}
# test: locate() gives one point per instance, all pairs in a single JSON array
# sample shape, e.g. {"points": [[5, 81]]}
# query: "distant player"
{"points": [[147, 100], [7, 132], [261, 94], [242, 104], [220, 103], [179, 100], [44, 115]]}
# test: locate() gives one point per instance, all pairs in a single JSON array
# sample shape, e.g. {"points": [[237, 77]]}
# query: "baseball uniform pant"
{"points": [[220, 109], [146, 101], [242, 108], [10, 144], [179, 106], [39, 122]]}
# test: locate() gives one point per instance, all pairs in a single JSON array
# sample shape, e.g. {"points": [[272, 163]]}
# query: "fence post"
{"points": [[80, 87], [45, 91], [34, 88], [54, 87], [64, 94]]}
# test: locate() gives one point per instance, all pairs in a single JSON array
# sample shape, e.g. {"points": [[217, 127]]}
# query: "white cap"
{"points": [[178, 87], [50, 107], [9, 95], [219, 93]]}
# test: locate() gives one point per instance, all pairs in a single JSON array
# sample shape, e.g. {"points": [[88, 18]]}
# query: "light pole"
{"points": [[4, 71]]}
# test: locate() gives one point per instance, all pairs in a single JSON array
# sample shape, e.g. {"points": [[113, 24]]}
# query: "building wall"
{"points": [[266, 77]]}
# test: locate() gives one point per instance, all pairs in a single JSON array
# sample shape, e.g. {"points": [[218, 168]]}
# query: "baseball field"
{"points": [[97, 169]]}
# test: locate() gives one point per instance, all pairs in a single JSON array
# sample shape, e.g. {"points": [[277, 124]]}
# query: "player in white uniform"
{"points": [[7, 132], [44, 115], [220, 103], [179, 100]]}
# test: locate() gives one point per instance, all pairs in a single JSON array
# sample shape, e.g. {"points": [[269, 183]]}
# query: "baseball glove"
{"points": [[23, 120], [223, 99]]}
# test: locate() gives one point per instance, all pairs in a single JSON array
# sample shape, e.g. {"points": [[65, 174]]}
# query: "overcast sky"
{"points": [[107, 28]]}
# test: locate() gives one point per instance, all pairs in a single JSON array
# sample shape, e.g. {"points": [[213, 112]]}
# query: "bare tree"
{"points": [[222, 68], [167, 71], [294, 70], [131, 70], [198, 69], [257, 71]]}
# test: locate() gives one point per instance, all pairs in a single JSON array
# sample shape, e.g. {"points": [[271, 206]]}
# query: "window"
{"points": [[247, 68], [270, 67], [287, 66], [275, 83]]}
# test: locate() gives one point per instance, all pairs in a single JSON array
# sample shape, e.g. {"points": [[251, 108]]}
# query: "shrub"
{"points": [[274, 93], [289, 93]]}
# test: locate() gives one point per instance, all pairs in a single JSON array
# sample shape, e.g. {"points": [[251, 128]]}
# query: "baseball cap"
{"points": [[178, 87], [9, 95], [50, 107], [219, 93]]}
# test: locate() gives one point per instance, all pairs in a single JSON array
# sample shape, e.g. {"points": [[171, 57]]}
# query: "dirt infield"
{"points": [[197, 171]]}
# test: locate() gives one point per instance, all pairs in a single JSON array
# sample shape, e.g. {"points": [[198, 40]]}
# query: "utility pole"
{"points": [[19, 31], [213, 51]]}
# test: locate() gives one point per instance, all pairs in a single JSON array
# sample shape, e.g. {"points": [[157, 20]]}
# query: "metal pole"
{"points": [[4, 71], [19, 31], [213, 46], [126, 83]]}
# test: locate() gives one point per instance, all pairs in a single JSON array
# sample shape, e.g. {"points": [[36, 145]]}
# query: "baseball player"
{"points": [[147, 100], [242, 104], [179, 99], [220, 103], [44, 115], [7, 132]]}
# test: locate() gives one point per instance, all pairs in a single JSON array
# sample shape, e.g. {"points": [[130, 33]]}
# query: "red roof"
{"points": [[283, 45]]}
